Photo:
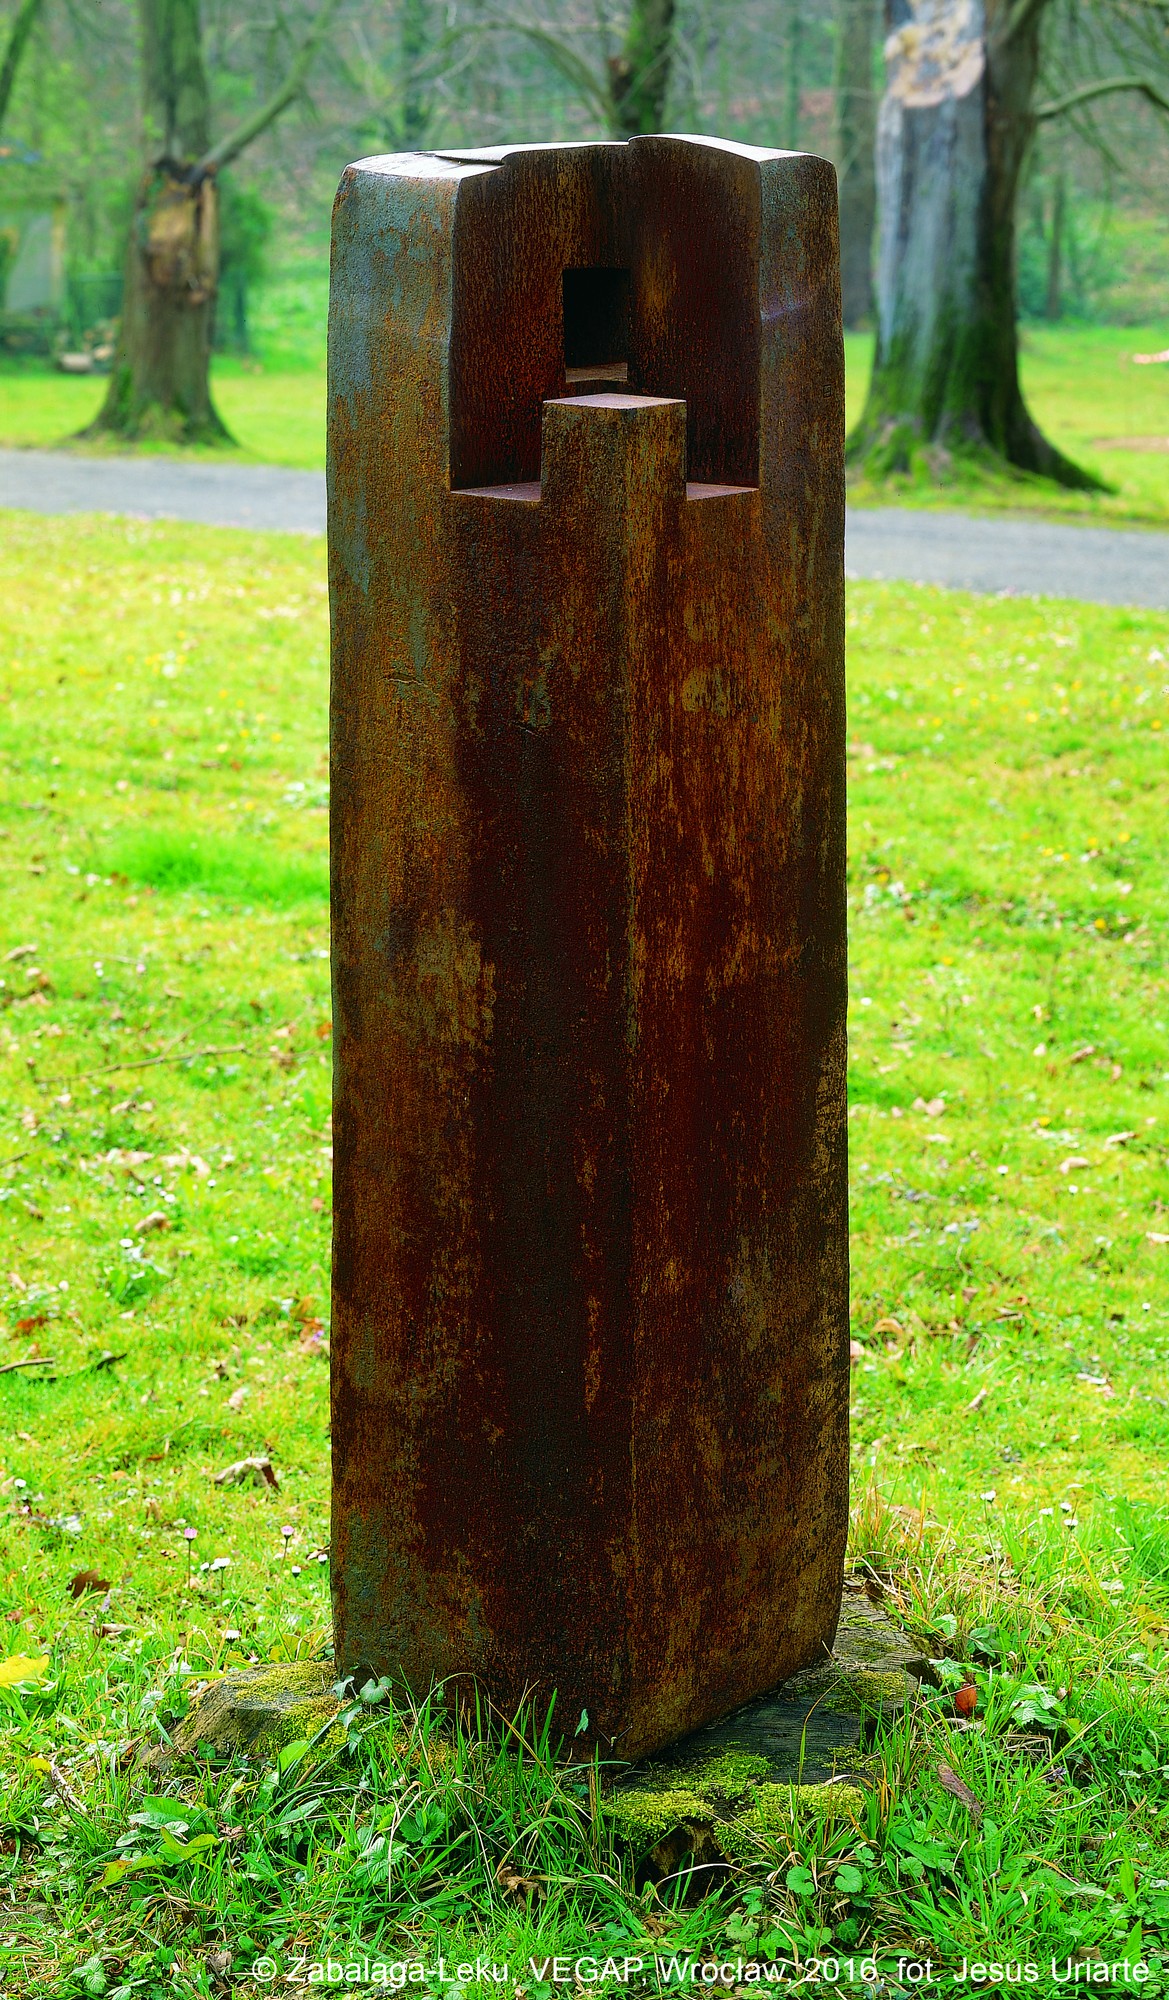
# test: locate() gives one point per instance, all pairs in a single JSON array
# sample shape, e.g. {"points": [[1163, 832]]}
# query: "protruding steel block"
{"points": [[590, 1344]]}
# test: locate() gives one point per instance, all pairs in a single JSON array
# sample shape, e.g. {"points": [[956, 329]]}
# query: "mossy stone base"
{"points": [[258, 1712], [715, 1795]]}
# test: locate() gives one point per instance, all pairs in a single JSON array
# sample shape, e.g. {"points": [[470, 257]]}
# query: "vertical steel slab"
{"points": [[586, 525]]}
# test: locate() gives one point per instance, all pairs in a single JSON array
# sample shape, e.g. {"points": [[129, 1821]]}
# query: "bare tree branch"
{"points": [[563, 58], [1020, 16], [22, 28], [1087, 91], [230, 148]]}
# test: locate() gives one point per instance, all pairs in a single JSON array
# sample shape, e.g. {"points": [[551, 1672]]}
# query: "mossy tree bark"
{"points": [[954, 126], [160, 383], [856, 137]]}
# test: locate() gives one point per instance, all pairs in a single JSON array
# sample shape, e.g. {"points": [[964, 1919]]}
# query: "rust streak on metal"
{"points": [[590, 1338]]}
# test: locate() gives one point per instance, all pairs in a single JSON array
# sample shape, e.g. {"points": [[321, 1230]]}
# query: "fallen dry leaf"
{"points": [[855, 1353], [247, 1468], [976, 1402], [932, 1106], [966, 1699], [184, 1159], [958, 1789], [63, 1789], [236, 1399], [890, 1326], [514, 1884], [157, 1219], [88, 1579], [31, 1324], [1157, 1236], [1120, 1138], [1073, 1161]]}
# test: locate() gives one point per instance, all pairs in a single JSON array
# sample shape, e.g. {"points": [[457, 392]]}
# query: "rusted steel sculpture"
{"points": [[586, 530]]}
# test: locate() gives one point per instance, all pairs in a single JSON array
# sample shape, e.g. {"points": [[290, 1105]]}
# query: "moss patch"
{"points": [[723, 1774], [869, 1694], [774, 1808], [645, 1817], [257, 1712]]}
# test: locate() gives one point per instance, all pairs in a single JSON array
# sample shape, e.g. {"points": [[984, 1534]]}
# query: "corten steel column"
{"points": [[590, 1354]]}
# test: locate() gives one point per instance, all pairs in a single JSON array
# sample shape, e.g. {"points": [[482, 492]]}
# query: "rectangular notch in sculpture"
{"points": [[596, 327]]}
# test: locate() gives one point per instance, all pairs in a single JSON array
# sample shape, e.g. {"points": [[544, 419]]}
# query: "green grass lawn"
{"points": [[275, 413], [1081, 382], [164, 1209]]}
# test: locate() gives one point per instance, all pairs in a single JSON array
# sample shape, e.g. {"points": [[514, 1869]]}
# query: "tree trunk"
{"points": [[22, 27], [639, 77], [856, 139], [160, 384], [792, 77], [413, 48], [1053, 305], [953, 129]]}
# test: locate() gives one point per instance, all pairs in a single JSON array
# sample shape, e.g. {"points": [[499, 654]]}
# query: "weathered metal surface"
{"points": [[590, 1366]]}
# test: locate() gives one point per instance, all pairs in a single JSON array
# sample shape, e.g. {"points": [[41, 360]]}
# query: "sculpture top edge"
{"points": [[455, 162]]}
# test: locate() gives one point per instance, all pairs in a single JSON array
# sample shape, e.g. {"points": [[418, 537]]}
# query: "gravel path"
{"points": [[223, 496], [1008, 552], [998, 553]]}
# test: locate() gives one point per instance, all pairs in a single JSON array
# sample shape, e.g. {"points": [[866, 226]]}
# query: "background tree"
{"points": [[159, 385], [959, 114], [18, 34], [627, 85], [855, 144], [792, 25]]}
